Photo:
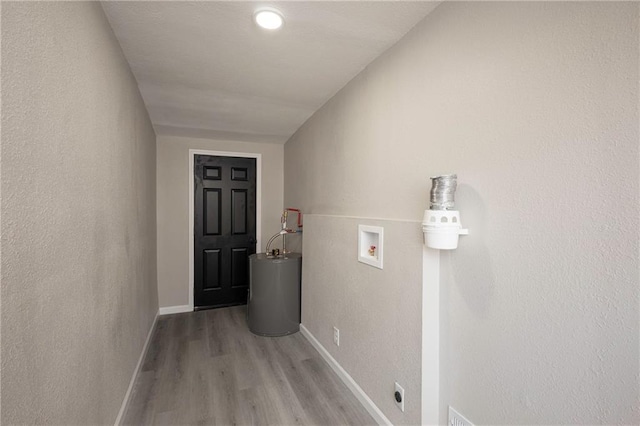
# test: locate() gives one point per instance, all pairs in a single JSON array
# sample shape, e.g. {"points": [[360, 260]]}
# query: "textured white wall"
{"points": [[535, 106], [173, 205], [378, 312], [79, 290]]}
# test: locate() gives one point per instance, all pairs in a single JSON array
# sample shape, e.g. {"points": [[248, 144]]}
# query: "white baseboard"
{"points": [[127, 396], [364, 399], [175, 309]]}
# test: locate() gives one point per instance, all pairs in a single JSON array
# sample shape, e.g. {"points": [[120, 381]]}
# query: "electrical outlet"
{"points": [[336, 336], [457, 419], [398, 397]]}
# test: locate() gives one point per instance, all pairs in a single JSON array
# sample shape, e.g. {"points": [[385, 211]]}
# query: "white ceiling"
{"points": [[205, 70]]}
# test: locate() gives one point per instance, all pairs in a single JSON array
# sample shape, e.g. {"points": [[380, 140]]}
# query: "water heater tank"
{"points": [[274, 294]]}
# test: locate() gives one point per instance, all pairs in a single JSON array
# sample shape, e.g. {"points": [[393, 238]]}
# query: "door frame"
{"points": [[192, 156]]}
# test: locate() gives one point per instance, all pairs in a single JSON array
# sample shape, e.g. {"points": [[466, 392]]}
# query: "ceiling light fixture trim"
{"points": [[268, 18]]}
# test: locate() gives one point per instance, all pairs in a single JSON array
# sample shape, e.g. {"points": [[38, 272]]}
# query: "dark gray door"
{"points": [[225, 229]]}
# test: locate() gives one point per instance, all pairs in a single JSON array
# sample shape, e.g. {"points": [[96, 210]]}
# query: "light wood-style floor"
{"points": [[207, 368]]}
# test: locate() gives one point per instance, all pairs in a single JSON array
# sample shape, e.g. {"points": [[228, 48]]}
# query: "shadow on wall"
{"points": [[294, 242], [469, 267]]}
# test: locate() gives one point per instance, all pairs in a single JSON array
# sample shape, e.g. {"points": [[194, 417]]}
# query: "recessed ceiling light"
{"points": [[268, 18]]}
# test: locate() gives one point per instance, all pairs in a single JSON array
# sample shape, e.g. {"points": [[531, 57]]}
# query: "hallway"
{"points": [[206, 367], [348, 110]]}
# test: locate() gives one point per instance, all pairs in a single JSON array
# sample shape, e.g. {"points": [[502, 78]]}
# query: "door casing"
{"points": [[192, 154]]}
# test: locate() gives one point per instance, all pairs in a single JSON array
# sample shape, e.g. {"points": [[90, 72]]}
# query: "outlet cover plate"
{"points": [[457, 419]]}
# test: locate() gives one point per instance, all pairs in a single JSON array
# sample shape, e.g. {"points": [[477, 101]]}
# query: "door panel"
{"points": [[212, 173], [239, 267], [239, 173], [238, 211], [225, 229], [212, 211], [211, 277]]}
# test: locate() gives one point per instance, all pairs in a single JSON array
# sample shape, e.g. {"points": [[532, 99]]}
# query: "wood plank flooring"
{"points": [[207, 368]]}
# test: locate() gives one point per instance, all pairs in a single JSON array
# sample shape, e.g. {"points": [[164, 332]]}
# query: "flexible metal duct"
{"points": [[443, 189]]}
